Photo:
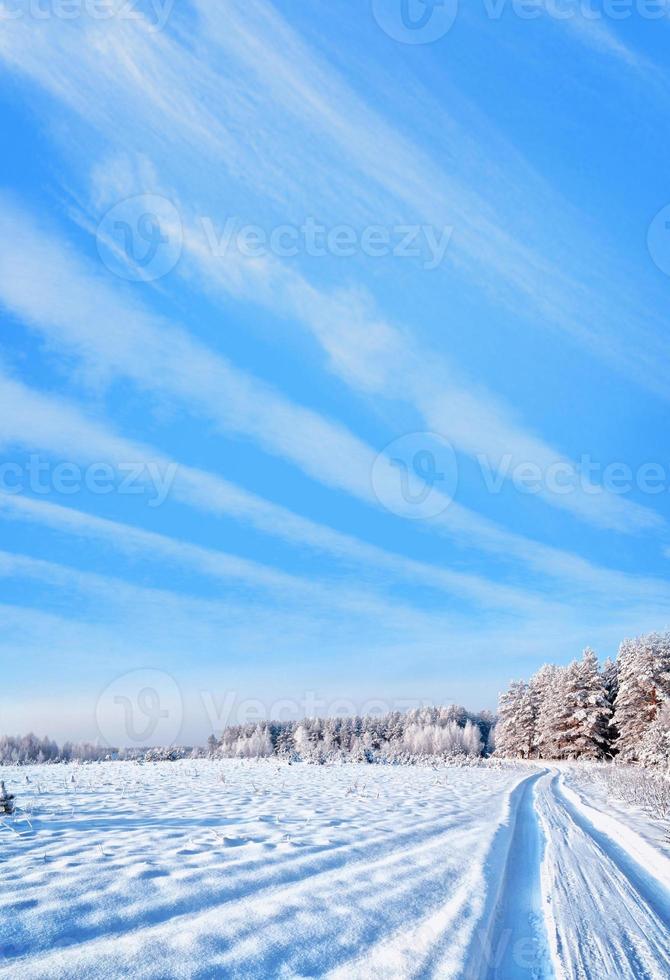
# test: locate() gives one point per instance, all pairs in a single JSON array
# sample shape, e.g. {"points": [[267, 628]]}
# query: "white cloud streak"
{"points": [[35, 421], [366, 351], [133, 541]]}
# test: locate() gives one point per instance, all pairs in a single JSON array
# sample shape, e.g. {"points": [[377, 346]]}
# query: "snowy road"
{"points": [[516, 946], [571, 901], [217, 870]]}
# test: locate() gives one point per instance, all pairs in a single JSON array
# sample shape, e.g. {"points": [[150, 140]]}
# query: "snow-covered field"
{"points": [[234, 869]]}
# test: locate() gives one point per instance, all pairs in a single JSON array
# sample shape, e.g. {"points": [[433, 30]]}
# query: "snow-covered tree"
{"points": [[558, 719], [472, 739], [644, 684], [420, 732], [610, 674], [515, 730], [587, 694], [256, 745], [543, 693], [303, 743], [572, 710], [655, 745]]}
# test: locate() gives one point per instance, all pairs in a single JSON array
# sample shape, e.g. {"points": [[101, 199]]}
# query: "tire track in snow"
{"points": [[604, 919], [519, 949], [434, 945], [511, 942]]}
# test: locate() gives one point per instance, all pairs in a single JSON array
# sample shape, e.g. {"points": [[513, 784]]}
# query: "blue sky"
{"points": [[341, 360]]}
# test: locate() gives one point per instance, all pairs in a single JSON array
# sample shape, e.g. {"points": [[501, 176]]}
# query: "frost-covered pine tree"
{"points": [[610, 673], [515, 729], [577, 720], [557, 719], [655, 745], [644, 683], [589, 731], [543, 686]]}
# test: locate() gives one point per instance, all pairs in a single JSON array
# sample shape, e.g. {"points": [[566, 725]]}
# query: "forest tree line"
{"points": [[586, 711], [22, 750], [442, 732], [620, 709], [395, 737]]}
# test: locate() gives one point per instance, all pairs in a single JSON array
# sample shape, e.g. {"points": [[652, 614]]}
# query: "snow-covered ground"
{"points": [[607, 912], [234, 869]]}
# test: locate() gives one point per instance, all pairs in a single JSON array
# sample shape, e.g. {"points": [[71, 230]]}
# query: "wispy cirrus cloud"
{"points": [[361, 345], [35, 421], [495, 245], [519, 263], [229, 610], [235, 113], [597, 35], [225, 567], [80, 310]]}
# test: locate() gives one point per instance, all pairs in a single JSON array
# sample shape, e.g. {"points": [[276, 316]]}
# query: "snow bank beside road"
{"points": [[642, 837], [605, 918]]}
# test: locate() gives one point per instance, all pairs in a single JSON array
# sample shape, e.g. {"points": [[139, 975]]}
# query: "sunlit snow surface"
{"points": [[261, 870], [202, 868]]}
